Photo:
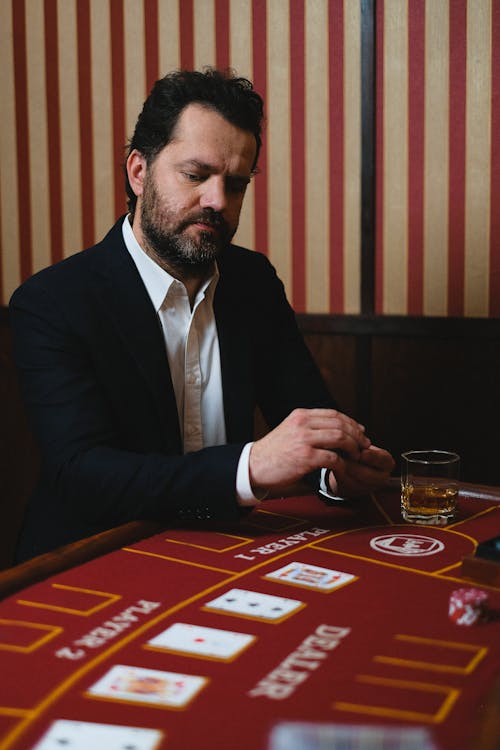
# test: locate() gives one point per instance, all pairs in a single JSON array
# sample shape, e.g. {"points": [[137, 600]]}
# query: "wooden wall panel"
{"points": [[413, 382], [440, 393], [416, 382]]}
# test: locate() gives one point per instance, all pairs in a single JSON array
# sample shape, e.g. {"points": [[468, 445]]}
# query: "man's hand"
{"points": [[306, 440], [370, 471]]}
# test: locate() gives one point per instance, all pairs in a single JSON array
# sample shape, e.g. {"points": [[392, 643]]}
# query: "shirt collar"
{"points": [[156, 280]]}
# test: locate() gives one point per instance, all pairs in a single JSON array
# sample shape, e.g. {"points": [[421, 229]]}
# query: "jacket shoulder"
{"points": [[73, 268]]}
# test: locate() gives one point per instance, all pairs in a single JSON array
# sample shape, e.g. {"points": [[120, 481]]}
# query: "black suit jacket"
{"points": [[95, 378]]}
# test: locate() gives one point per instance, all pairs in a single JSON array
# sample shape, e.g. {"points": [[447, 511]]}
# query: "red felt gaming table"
{"points": [[377, 648]]}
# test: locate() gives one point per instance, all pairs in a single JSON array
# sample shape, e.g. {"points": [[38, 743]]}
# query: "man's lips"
{"points": [[204, 227]]}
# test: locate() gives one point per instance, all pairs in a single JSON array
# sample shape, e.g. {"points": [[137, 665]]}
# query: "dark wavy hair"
{"points": [[232, 97]]}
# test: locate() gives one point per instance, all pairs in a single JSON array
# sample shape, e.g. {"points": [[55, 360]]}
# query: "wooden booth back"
{"points": [[414, 383]]}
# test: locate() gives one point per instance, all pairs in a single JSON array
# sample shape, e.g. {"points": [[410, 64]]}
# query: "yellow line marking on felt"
{"points": [[375, 562], [479, 653], [117, 645], [150, 704], [110, 599], [317, 589], [177, 560], [244, 540], [451, 694], [381, 510], [255, 618], [51, 631], [205, 657], [66, 684], [20, 712], [473, 518], [435, 573], [296, 521]]}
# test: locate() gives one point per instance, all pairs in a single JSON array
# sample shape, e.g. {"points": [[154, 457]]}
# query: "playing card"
{"points": [[310, 736], [255, 605], [202, 641], [84, 735], [311, 576], [140, 685]]}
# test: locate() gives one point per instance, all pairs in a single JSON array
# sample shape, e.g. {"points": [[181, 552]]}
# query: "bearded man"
{"points": [[142, 359]]}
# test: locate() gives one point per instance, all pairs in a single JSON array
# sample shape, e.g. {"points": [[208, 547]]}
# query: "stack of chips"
{"points": [[468, 606]]}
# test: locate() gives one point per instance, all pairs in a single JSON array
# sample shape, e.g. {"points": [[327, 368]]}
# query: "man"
{"points": [[143, 358]]}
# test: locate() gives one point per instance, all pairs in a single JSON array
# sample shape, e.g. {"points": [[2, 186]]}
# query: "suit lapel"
{"points": [[236, 359], [126, 301]]}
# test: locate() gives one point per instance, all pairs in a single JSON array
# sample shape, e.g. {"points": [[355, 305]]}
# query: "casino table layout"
{"points": [[212, 637]]}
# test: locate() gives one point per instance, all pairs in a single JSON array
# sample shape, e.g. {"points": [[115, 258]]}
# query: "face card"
{"points": [[202, 641], [255, 605], [139, 685], [311, 576], [82, 735]]}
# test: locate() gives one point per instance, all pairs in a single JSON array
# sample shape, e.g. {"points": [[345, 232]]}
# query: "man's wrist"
{"points": [[244, 490], [325, 490]]}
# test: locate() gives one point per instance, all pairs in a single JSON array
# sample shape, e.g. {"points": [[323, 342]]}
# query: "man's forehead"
{"points": [[194, 114], [201, 125]]}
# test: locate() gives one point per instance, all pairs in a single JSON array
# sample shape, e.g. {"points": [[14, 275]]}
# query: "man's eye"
{"points": [[191, 177]]}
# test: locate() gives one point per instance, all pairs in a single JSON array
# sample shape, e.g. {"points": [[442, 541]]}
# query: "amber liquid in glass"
{"points": [[429, 502]]}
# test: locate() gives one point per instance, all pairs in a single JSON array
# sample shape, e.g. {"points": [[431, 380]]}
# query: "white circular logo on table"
{"points": [[406, 545]]}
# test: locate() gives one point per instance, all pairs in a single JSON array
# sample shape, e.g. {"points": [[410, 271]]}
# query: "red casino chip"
{"points": [[468, 606]]}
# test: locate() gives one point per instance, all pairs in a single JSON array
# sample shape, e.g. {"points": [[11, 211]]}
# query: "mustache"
{"points": [[209, 217]]}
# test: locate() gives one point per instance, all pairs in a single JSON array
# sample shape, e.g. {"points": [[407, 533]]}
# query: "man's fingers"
{"points": [[378, 458]]}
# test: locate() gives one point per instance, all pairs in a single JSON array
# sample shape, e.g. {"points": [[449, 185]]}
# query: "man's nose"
{"points": [[214, 194]]}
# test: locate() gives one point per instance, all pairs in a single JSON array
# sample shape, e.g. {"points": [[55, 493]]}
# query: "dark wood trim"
{"points": [[383, 325], [400, 325], [42, 567], [47, 565], [368, 132], [363, 368]]}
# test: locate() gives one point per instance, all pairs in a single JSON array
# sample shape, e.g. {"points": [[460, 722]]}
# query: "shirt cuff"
{"points": [[246, 496], [324, 486]]}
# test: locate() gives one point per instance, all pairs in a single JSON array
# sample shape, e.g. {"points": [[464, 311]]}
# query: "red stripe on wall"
{"points": [[118, 101], [86, 131], [456, 209], [222, 12], [186, 33], [22, 124], [152, 43], [416, 130], [495, 164], [298, 153], [51, 25], [379, 160], [336, 96], [259, 50]]}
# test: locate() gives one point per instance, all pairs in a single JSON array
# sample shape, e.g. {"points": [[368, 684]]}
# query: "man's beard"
{"points": [[166, 237]]}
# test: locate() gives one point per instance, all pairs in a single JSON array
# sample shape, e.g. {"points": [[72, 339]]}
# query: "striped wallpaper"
{"points": [[438, 158], [74, 74]]}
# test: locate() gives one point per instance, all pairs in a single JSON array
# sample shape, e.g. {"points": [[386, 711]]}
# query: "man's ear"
{"points": [[136, 170]]}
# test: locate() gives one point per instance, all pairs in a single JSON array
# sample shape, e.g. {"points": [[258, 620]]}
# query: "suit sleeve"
{"points": [[95, 473]]}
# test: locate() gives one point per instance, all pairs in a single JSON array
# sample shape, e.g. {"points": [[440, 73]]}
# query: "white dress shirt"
{"points": [[192, 347]]}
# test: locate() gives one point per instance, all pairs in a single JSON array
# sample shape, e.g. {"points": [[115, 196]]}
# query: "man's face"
{"points": [[193, 191]]}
